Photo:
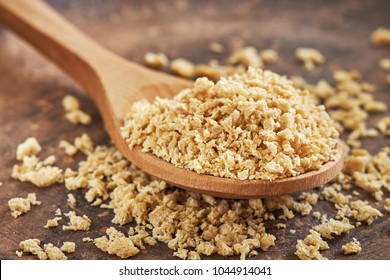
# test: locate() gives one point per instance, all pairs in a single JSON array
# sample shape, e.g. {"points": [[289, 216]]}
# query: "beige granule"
{"points": [[53, 252], [384, 125], [87, 239], [327, 228], [182, 219], [369, 172], [247, 56], [363, 212], [68, 247], [52, 222], [116, 244], [352, 247], [269, 56], [216, 47], [182, 67], [71, 200], [84, 143], [387, 204], [314, 238], [156, 60], [20, 205], [29, 147], [281, 225], [74, 114], [214, 71], [381, 36], [384, 64], [33, 246], [308, 252], [334, 195], [19, 253], [310, 57], [77, 222], [69, 149], [39, 173], [250, 126], [58, 212], [293, 231]]}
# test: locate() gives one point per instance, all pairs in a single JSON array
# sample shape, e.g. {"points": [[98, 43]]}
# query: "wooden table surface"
{"points": [[31, 90]]}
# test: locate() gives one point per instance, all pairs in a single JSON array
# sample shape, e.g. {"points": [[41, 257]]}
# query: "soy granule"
{"points": [[255, 125]]}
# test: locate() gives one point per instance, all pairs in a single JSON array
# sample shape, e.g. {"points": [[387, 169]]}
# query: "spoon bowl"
{"points": [[115, 84]]}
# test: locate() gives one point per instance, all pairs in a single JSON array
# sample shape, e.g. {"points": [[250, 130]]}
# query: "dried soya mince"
{"points": [[20, 205], [384, 63], [216, 47], [73, 112], [182, 67], [52, 222], [250, 126], [29, 147], [48, 251], [310, 57], [327, 228], [381, 36], [71, 200], [53, 252], [39, 173], [77, 222], [199, 225], [68, 247], [352, 247], [156, 60]]}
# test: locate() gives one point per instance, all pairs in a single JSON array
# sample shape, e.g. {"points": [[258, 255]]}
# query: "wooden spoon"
{"points": [[115, 83]]}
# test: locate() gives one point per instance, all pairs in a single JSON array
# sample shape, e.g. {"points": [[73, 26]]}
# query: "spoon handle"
{"points": [[55, 37]]}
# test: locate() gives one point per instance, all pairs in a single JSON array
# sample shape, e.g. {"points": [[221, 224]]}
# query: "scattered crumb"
{"points": [[293, 231], [53, 252], [381, 36], [29, 147], [216, 47], [384, 125], [387, 204], [71, 200], [156, 60], [363, 212], [247, 56], [39, 173], [327, 228], [32, 246], [19, 253], [87, 239], [52, 222], [269, 56], [182, 67], [84, 143], [58, 212], [352, 247], [69, 149], [384, 64], [74, 114], [68, 247], [280, 225], [77, 222], [116, 244], [310, 57], [20, 205], [308, 252]]}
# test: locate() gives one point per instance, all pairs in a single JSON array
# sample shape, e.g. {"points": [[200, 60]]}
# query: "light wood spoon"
{"points": [[115, 83]]}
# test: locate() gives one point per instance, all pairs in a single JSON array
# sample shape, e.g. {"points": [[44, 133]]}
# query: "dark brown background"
{"points": [[31, 90]]}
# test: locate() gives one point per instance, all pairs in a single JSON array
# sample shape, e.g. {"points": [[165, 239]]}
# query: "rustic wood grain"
{"points": [[31, 90]]}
